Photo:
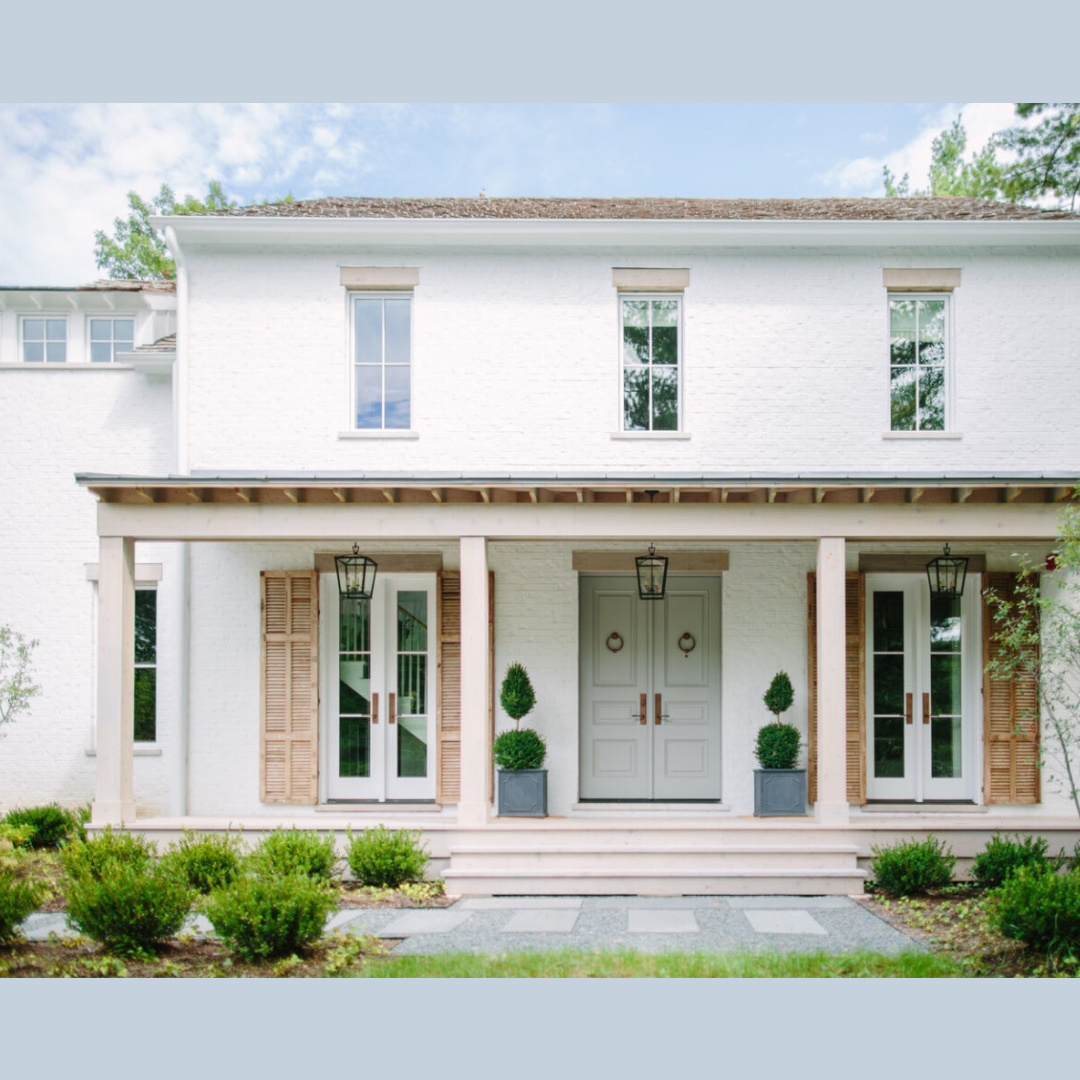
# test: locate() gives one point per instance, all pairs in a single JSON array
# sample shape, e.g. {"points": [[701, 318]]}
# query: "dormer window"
{"points": [[109, 337], [44, 340]]}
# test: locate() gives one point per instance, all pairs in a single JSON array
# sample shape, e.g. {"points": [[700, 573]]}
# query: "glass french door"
{"points": [[379, 715], [922, 691]]}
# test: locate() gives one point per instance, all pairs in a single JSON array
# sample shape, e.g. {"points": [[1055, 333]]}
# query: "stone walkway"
{"points": [[646, 924]]}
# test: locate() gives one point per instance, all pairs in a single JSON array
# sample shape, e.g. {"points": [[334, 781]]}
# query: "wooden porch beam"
{"points": [[962, 494], [145, 494], [866, 494], [1011, 493], [390, 494]]}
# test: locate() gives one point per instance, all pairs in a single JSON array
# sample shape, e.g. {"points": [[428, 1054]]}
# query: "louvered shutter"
{"points": [[448, 684], [289, 717], [855, 676], [1010, 717]]}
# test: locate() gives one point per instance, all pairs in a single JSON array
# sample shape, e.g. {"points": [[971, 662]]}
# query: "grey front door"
{"points": [[650, 690]]}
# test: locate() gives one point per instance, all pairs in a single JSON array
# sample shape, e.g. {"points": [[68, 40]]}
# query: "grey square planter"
{"points": [[523, 793], [779, 792]]}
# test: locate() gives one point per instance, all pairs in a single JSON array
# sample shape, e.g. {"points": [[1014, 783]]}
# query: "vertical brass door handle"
{"points": [[643, 713], [926, 708], [375, 708], [391, 710], [909, 709], [658, 710]]}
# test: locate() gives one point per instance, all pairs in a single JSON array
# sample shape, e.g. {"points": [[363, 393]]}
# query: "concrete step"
{"points": [[645, 882], [670, 858]]}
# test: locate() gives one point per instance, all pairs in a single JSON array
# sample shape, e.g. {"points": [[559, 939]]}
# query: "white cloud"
{"points": [[68, 168], [863, 175]]}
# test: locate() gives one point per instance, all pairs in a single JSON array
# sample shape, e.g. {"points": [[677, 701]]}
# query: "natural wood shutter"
{"points": [[448, 684], [289, 717], [855, 668], [1010, 717]]}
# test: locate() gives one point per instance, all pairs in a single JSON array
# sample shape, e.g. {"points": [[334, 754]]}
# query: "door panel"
{"points": [[922, 678], [661, 657], [378, 712]]}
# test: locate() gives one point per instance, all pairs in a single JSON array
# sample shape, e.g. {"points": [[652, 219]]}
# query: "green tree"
{"points": [[950, 174], [1047, 154], [136, 250], [1038, 634], [17, 686], [517, 697]]}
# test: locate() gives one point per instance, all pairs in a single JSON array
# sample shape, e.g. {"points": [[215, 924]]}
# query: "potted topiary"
{"points": [[779, 788], [519, 753]]}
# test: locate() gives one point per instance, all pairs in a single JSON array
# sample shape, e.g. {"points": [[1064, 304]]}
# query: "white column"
{"points": [[114, 800], [831, 807], [473, 805]]}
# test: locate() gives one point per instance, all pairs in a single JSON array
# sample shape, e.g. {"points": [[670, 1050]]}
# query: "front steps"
{"points": [[661, 861]]}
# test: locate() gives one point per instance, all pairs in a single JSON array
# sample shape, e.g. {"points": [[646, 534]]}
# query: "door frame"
{"points": [[652, 666], [923, 788], [385, 788]]}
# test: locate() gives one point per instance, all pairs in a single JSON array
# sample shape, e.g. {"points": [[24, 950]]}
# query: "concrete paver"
{"points": [[784, 922], [541, 920]]}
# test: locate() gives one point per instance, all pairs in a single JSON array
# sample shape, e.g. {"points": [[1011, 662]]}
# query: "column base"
{"points": [[112, 813], [472, 815], [831, 815]]}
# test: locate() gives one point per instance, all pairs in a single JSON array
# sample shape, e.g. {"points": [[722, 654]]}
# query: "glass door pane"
{"points": [[412, 683], [354, 689], [946, 724], [887, 666]]}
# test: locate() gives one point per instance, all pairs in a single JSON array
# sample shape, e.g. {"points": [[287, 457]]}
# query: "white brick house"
{"points": [[502, 402]]}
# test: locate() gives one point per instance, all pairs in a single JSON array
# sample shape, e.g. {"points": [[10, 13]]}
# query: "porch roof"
{"points": [[386, 488]]}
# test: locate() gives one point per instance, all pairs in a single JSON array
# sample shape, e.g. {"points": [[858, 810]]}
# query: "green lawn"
{"points": [[632, 965]]}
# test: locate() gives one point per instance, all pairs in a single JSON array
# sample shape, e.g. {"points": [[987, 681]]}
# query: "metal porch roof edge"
{"points": [[404, 478]]}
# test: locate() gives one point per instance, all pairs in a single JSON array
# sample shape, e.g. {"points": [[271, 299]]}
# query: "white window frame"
{"points": [[44, 317], [947, 382], [112, 320], [389, 294], [680, 369]]}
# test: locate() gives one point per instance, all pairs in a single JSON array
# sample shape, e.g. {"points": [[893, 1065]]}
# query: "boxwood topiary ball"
{"points": [[522, 749], [778, 746]]}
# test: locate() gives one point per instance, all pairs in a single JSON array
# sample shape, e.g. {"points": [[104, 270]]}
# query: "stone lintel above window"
{"points": [[929, 280], [380, 278], [649, 279]]}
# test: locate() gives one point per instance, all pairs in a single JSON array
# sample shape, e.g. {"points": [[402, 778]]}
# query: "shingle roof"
{"points": [[105, 285], [911, 209], [166, 344]]}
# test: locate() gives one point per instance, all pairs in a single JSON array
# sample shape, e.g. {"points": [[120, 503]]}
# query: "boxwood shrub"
{"points": [[1041, 908], [521, 749], [275, 915], [52, 825], [294, 851], [387, 859], [205, 861], [18, 898], [912, 867], [1002, 857]]}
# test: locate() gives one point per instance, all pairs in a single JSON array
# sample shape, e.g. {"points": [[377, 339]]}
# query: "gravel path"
{"points": [[645, 924]]}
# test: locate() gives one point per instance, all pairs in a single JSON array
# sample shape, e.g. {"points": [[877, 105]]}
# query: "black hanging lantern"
{"points": [[946, 574], [651, 575], [355, 575]]}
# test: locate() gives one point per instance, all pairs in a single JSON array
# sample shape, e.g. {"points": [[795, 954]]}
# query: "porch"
{"points": [[824, 527]]}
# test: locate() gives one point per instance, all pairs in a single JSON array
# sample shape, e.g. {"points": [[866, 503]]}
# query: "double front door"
{"points": [[378, 689], [650, 690], [922, 690]]}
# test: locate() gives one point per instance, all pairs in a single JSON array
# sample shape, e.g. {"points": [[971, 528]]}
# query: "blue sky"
{"points": [[67, 167]]}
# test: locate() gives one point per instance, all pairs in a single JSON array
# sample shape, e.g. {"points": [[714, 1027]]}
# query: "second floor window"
{"points": [[110, 336], [44, 340], [651, 353], [382, 342], [918, 357]]}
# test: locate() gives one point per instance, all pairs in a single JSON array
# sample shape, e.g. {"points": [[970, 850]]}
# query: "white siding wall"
{"points": [[516, 363]]}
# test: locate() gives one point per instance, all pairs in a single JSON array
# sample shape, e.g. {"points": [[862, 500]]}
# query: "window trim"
{"points": [[352, 430], [44, 316], [91, 316], [621, 430], [946, 431]]}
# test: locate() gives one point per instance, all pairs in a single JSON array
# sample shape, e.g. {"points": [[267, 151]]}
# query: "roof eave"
{"points": [[561, 232]]}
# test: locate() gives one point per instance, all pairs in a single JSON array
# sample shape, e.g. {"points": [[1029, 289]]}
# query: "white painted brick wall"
{"points": [[516, 363], [53, 424]]}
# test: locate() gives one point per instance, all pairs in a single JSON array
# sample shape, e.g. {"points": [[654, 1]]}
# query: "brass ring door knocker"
{"points": [[614, 641], [687, 643]]}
